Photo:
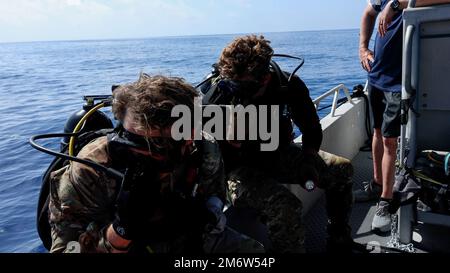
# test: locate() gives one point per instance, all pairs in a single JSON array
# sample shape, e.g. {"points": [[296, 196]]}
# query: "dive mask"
{"points": [[164, 146], [240, 90]]}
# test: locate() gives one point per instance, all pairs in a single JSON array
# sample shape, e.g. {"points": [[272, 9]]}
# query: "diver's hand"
{"points": [[216, 218], [366, 56], [114, 242], [125, 206], [385, 19], [308, 174], [309, 177]]}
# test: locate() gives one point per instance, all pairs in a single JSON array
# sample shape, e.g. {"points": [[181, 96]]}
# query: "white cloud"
{"points": [[30, 12], [168, 10], [73, 2], [26, 20]]}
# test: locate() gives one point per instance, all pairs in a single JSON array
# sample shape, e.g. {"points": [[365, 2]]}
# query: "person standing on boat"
{"points": [[172, 194], [384, 67], [255, 176]]}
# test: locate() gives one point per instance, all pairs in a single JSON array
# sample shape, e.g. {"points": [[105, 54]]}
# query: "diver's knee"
{"points": [[347, 168], [342, 166]]}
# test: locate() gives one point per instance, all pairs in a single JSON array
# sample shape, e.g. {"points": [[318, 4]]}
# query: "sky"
{"points": [[48, 20]]}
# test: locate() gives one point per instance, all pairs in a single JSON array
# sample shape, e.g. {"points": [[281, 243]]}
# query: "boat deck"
{"points": [[427, 238]]}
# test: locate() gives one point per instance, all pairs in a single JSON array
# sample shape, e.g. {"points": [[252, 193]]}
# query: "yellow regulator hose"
{"points": [[80, 125]]}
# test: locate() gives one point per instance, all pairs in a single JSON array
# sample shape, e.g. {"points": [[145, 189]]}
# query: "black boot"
{"points": [[340, 241]]}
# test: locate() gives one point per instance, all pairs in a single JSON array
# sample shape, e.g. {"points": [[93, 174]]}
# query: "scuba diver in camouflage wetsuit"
{"points": [[171, 196], [246, 75]]}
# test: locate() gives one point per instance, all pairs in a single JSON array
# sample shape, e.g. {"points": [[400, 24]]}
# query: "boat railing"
{"points": [[335, 92]]}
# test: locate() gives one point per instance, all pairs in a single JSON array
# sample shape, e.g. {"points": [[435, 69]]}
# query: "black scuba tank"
{"points": [[97, 125], [97, 121]]}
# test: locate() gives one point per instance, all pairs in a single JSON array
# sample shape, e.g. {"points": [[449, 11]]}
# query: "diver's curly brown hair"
{"points": [[151, 100], [246, 56]]}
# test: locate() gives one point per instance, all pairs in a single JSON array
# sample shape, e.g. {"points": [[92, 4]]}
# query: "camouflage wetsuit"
{"points": [[82, 201], [257, 184], [254, 177]]}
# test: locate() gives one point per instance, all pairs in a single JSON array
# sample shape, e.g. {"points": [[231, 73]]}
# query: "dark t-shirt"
{"points": [[386, 73]]}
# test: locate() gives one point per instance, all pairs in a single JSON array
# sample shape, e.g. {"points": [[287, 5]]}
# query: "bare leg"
{"points": [[388, 166], [377, 154]]}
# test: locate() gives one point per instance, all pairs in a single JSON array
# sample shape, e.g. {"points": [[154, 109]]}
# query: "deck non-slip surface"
{"points": [[427, 238]]}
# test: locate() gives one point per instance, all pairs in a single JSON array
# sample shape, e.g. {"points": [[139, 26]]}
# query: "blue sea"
{"points": [[42, 83]]}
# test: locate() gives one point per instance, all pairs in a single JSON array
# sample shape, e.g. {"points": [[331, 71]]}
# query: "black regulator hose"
{"points": [[214, 73], [358, 92], [112, 172], [302, 62]]}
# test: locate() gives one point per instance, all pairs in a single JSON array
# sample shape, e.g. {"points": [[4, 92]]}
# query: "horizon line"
{"points": [[168, 36]]}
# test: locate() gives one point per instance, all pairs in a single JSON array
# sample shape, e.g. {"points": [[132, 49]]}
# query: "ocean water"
{"points": [[42, 83]]}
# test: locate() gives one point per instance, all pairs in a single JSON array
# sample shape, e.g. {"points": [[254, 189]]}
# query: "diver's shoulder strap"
{"points": [[281, 76]]}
